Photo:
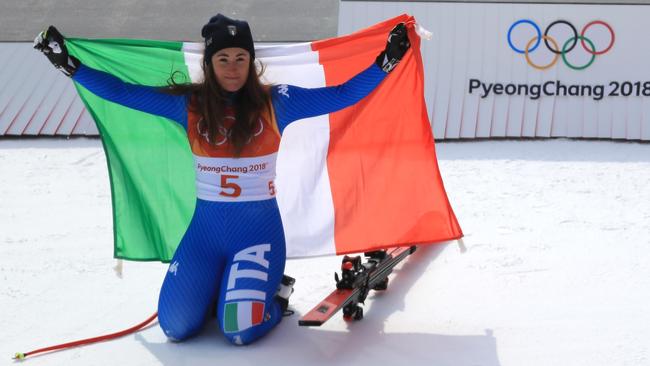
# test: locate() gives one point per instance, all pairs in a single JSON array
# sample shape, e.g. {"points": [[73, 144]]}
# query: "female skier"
{"points": [[233, 252]]}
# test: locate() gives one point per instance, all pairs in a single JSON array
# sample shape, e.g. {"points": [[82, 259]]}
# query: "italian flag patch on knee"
{"points": [[242, 315]]}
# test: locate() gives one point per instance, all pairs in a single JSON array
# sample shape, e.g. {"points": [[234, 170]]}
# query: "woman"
{"points": [[233, 252]]}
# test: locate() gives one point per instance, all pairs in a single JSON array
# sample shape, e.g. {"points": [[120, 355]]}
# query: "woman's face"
{"points": [[231, 66]]}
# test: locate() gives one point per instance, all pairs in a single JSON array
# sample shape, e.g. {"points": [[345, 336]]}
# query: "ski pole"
{"points": [[22, 356]]}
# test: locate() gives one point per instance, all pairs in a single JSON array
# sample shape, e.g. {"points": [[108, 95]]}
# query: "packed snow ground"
{"points": [[556, 272]]}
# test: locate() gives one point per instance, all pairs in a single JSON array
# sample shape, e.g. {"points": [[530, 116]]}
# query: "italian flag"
{"points": [[356, 180], [242, 315]]}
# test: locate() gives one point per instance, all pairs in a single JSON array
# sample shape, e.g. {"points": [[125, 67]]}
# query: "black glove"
{"points": [[396, 46], [52, 44]]}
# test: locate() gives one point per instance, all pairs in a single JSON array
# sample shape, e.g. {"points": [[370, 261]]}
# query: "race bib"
{"points": [[235, 179]]}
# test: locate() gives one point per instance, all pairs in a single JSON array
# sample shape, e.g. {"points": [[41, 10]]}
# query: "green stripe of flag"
{"points": [[149, 159], [230, 317]]}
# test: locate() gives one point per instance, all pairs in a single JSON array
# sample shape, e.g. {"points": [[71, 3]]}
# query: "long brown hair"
{"points": [[211, 101]]}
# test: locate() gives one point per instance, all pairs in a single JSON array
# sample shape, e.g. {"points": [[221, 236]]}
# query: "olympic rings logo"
{"points": [[568, 46]]}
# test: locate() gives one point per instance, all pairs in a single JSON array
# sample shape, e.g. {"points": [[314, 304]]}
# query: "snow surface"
{"points": [[556, 272]]}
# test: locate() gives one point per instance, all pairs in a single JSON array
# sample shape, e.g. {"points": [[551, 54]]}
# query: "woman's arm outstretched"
{"points": [[143, 98], [292, 103]]}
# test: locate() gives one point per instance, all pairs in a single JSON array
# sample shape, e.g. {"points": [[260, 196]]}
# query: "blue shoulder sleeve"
{"points": [[143, 98], [292, 103]]}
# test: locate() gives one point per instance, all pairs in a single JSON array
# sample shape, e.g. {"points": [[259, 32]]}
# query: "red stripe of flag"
{"points": [[382, 164], [257, 313]]}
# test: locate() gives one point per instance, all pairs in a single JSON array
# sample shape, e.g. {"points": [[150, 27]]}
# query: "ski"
{"points": [[357, 279]]}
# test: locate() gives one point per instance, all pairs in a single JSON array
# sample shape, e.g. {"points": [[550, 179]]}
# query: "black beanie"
{"points": [[222, 32]]}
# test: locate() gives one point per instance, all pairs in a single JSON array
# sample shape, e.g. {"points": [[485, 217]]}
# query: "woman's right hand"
{"points": [[52, 44]]}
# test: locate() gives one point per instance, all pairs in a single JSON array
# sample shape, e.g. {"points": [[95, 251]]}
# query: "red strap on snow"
{"points": [[89, 340]]}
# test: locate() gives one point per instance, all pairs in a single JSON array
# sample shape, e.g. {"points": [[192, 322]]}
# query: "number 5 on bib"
{"points": [[234, 190]]}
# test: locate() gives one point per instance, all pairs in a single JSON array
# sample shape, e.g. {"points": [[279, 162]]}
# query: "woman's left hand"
{"points": [[396, 46]]}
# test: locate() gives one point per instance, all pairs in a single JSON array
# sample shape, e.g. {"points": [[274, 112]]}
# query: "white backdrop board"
{"points": [[528, 70]]}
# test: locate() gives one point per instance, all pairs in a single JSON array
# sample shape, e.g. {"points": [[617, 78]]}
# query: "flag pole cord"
{"points": [[22, 356]]}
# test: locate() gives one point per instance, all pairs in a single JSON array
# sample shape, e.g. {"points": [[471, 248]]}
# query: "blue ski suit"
{"points": [[233, 251]]}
